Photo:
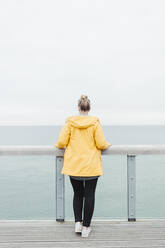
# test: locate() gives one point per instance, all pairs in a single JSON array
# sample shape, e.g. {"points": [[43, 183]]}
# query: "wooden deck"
{"points": [[115, 233]]}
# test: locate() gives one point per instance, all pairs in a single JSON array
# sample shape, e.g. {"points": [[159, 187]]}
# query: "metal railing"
{"points": [[130, 150]]}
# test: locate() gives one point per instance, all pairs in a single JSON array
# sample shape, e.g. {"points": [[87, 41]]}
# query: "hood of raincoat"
{"points": [[82, 121]]}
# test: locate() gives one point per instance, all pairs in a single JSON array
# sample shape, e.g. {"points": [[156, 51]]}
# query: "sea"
{"points": [[27, 183]]}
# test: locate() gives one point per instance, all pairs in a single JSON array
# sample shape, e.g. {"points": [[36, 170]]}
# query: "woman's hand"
{"points": [[109, 146]]}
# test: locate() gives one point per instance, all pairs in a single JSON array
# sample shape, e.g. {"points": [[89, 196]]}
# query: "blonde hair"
{"points": [[84, 103]]}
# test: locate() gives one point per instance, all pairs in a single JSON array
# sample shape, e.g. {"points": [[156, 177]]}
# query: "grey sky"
{"points": [[51, 52]]}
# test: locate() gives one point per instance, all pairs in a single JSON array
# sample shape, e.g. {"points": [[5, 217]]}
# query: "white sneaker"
{"points": [[85, 231], [78, 227]]}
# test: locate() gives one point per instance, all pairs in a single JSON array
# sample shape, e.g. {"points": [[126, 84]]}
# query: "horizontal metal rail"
{"points": [[52, 150], [130, 150]]}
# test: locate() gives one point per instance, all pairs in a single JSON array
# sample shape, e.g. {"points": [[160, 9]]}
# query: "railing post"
{"points": [[131, 187], [60, 190]]}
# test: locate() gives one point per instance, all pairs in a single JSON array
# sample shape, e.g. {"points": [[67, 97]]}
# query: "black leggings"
{"points": [[84, 189]]}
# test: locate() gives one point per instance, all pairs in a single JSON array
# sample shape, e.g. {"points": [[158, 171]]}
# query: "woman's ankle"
{"points": [[86, 226]]}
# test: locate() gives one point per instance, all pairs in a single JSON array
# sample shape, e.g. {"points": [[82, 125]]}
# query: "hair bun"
{"points": [[84, 103], [84, 97]]}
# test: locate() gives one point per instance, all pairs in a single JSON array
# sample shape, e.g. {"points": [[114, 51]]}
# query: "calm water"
{"points": [[27, 183]]}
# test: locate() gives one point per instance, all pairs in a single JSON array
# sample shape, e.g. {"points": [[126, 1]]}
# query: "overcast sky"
{"points": [[52, 51]]}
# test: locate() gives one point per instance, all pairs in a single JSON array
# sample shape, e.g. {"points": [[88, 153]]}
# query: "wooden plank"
{"points": [[139, 222], [28, 234], [86, 243]]}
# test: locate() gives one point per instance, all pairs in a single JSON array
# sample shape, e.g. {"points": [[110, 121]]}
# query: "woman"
{"points": [[84, 139]]}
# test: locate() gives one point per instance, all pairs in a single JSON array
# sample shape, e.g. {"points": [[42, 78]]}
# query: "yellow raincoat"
{"points": [[84, 139]]}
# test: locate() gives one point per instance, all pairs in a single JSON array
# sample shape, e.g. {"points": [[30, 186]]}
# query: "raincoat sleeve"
{"points": [[64, 136], [100, 141]]}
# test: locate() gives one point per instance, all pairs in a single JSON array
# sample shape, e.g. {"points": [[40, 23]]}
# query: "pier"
{"points": [[105, 234], [59, 232]]}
